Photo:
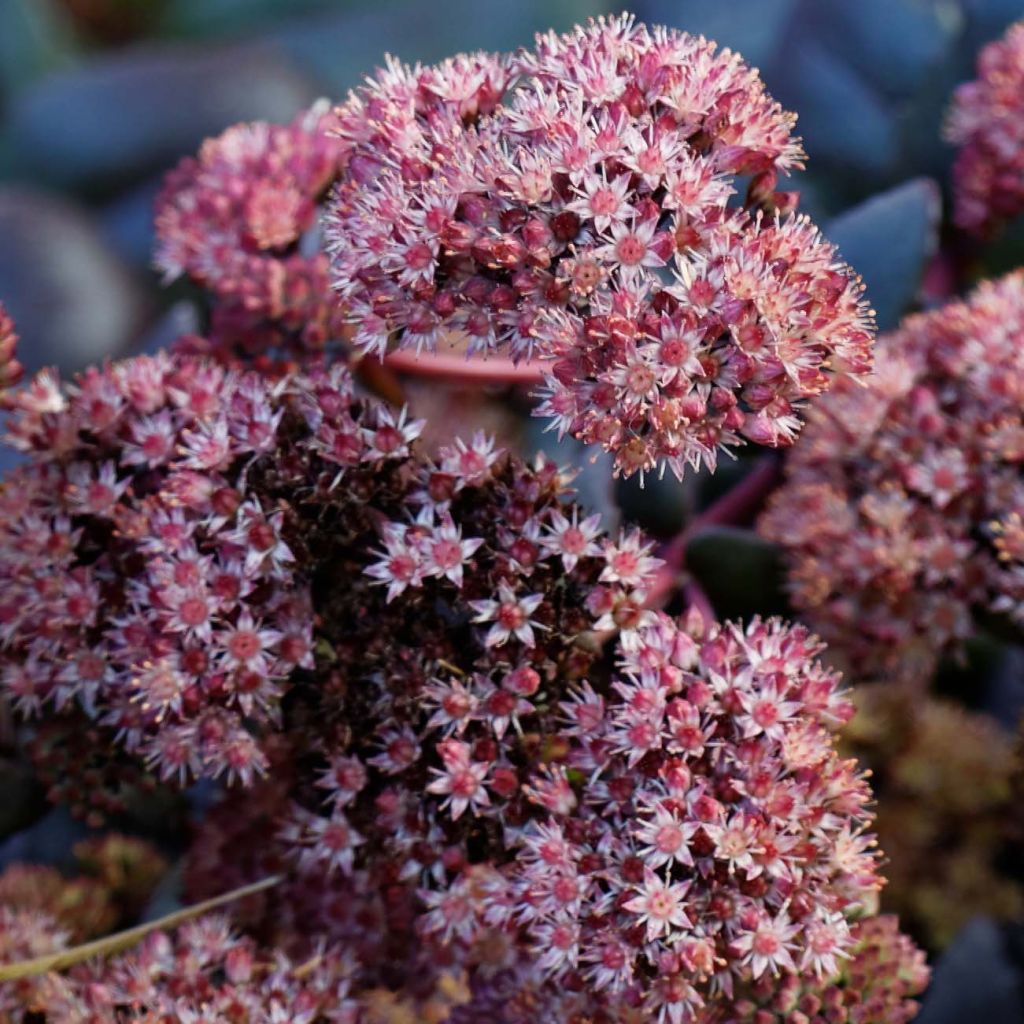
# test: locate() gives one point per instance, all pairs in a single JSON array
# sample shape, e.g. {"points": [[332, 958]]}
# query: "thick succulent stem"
{"points": [[466, 370]]}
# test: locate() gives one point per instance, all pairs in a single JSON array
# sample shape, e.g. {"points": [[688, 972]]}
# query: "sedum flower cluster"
{"points": [[207, 573], [574, 202], [241, 220], [877, 983], [987, 122], [117, 875], [179, 529], [147, 589], [203, 972], [903, 511], [715, 837], [662, 840]]}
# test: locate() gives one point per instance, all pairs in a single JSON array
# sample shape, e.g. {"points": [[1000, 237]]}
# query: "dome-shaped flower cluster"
{"points": [[572, 202], [904, 506], [242, 220], [987, 122], [179, 527], [699, 833], [645, 841]]}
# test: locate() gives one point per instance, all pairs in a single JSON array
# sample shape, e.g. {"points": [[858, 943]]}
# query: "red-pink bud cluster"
{"points": [[572, 202], [10, 368], [242, 220], [904, 507], [877, 983], [987, 122]]}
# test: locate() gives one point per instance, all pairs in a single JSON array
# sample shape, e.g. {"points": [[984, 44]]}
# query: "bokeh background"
{"points": [[98, 98]]}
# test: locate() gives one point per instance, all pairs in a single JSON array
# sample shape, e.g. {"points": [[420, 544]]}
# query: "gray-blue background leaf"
{"points": [[889, 239], [754, 28]]}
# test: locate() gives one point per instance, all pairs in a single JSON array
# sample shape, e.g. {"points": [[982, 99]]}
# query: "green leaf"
{"points": [[741, 573]]}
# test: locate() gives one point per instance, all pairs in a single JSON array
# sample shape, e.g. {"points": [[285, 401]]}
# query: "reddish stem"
{"points": [[466, 370], [734, 508]]}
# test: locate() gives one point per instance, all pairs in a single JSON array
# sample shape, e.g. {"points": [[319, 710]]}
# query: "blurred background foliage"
{"points": [[98, 98]]}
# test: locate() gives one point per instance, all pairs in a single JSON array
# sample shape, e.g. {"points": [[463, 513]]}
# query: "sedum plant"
{"points": [[985, 122], [458, 747], [575, 206]]}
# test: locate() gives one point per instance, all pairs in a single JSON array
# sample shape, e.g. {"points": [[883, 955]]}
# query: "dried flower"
{"points": [[127, 866], [942, 779], [118, 874], [903, 509], [987, 122], [81, 906], [571, 202]]}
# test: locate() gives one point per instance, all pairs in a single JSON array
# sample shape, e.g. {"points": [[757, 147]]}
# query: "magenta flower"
{"points": [[510, 614], [659, 906]]}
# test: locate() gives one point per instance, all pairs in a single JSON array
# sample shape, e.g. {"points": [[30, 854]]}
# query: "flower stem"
{"points": [[468, 370], [120, 941], [734, 508]]}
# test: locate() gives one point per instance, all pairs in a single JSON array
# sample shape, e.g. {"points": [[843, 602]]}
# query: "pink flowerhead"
{"points": [[986, 121], [572, 203], [903, 513], [242, 220], [696, 868], [183, 539]]}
